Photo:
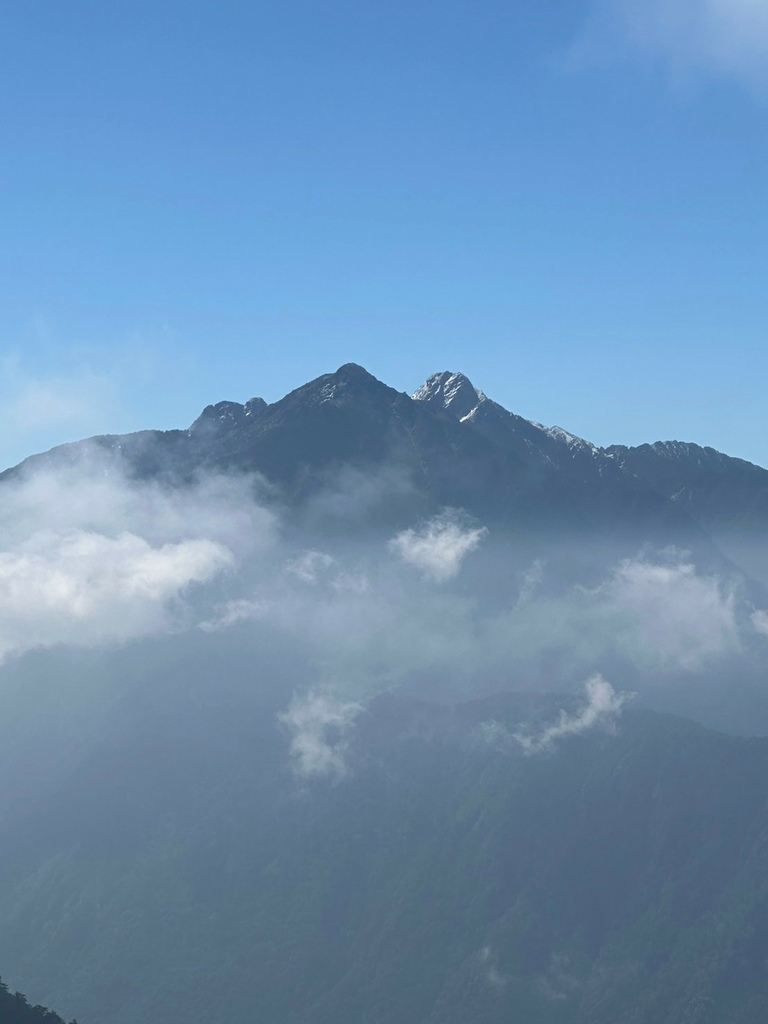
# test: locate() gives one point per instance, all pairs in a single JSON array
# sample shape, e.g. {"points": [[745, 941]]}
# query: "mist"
{"points": [[155, 593]]}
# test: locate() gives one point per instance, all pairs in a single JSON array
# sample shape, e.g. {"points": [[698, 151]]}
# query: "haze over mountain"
{"points": [[280, 736]]}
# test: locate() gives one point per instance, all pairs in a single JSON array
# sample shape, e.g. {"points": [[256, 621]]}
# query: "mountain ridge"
{"points": [[447, 446]]}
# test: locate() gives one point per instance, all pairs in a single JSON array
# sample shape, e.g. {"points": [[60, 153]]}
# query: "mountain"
{"points": [[182, 875], [447, 446], [278, 732]]}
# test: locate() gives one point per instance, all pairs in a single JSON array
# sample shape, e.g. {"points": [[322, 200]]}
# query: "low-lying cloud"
{"points": [[319, 725], [602, 707], [439, 546], [88, 589], [668, 614], [89, 558]]}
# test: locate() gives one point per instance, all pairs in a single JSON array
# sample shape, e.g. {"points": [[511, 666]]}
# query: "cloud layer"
{"points": [[91, 559]]}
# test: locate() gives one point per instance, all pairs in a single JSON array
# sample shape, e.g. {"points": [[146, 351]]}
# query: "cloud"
{"points": [[310, 566], [91, 558], [87, 589], [319, 724], [759, 620], [230, 613], [530, 581], [438, 547], [602, 708], [726, 38], [668, 614], [88, 558]]}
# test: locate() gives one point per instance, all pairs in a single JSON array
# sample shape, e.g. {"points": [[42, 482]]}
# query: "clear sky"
{"points": [[209, 200]]}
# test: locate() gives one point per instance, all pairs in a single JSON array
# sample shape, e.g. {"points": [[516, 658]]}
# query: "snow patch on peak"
{"points": [[675, 449], [564, 436], [453, 391], [328, 391]]}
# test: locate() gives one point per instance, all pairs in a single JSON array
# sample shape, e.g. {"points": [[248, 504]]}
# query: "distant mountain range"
{"points": [[453, 446], [522, 856]]}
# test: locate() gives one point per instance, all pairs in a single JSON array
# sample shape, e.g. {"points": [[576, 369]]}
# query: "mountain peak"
{"points": [[353, 371], [453, 391]]}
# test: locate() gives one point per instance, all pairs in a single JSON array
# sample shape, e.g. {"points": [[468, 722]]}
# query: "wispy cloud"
{"points": [[439, 546], [602, 707], [319, 724], [727, 38]]}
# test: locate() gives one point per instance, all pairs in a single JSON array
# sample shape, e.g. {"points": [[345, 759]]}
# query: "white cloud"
{"points": [[720, 37], [602, 708], [91, 494], [88, 558], [439, 547], [89, 589], [759, 620], [319, 724], [668, 614]]}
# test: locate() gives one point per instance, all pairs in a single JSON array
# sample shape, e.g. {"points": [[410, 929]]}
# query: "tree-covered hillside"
{"points": [[15, 1009]]}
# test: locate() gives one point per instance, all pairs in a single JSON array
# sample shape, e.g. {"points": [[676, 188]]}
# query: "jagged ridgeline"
{"points": [[15, 1009], [353, 708], [450, 445]]}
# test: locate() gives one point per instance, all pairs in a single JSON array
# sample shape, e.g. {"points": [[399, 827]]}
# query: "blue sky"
{"points": [[205, 201]]}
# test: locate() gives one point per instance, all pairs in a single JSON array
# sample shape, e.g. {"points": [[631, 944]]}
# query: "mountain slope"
{"points": [[448, 877]]}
